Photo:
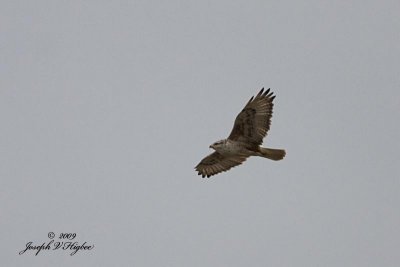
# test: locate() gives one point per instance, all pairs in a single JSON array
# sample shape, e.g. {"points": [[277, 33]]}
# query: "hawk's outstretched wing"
{"points": [[253, 122], [216, 163]]}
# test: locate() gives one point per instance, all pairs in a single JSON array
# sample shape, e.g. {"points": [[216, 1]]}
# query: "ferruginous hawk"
{"points": [[251, 126]]}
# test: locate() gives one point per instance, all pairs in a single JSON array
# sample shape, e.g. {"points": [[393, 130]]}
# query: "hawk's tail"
{"points": [[270, 153]]}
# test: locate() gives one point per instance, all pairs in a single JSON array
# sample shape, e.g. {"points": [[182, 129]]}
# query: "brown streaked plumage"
{"points": [[250, 127]]}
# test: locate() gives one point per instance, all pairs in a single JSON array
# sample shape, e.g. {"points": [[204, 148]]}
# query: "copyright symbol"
{"points": [[51, 235]]}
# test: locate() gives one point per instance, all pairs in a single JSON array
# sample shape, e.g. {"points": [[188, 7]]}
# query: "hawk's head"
{"points": [[218, 144]]}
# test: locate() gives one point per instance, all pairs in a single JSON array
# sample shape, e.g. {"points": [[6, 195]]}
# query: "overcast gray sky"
{"points": [[107, 106]]}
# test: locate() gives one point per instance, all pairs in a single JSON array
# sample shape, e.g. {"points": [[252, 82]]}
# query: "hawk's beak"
{"points": [[211, 146]]}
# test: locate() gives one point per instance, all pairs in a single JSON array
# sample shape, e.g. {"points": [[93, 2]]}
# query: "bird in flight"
{"points": [[251, 126]]}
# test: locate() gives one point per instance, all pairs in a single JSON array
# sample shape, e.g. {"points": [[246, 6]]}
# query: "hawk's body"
{"points": [[251, 126]]}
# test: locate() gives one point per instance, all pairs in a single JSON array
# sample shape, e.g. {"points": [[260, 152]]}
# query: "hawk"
{"points": [[251, 126]]}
